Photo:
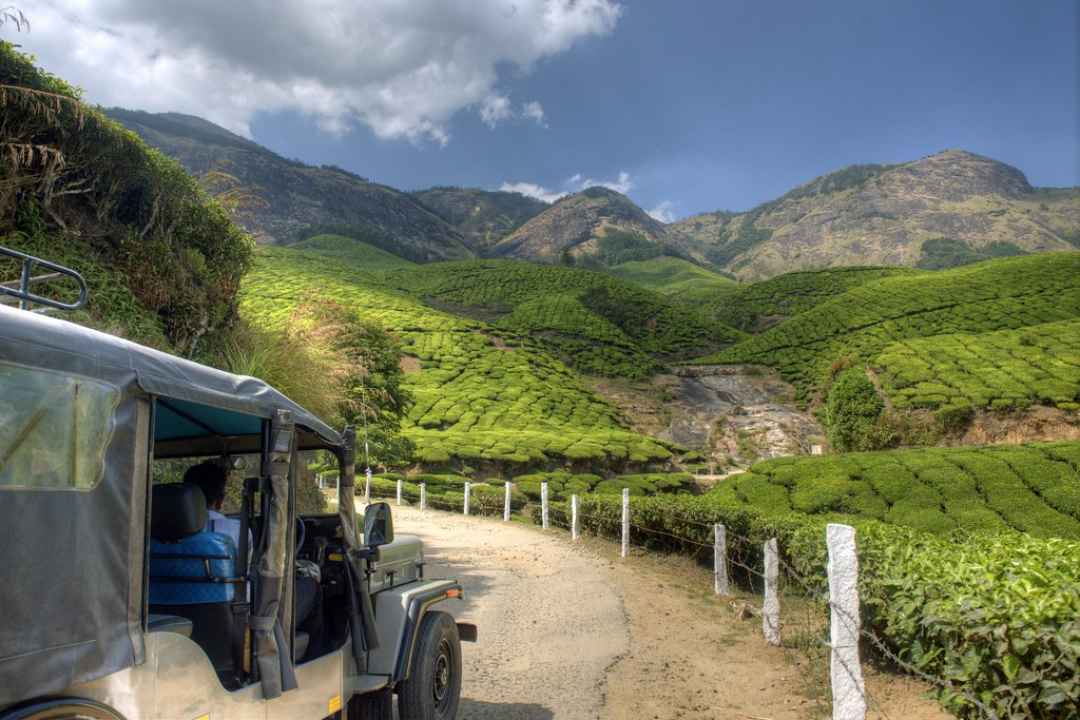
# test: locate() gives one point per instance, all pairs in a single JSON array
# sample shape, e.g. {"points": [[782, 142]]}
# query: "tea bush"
{"points": [[1032, 488], [1002, 369]]}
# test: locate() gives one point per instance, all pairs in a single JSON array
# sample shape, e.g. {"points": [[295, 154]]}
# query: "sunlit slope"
{"points": [[359, 255], [1033, 489], [597, 323], [1039, 364], [478, 398], [674, 276], [859, 324]]}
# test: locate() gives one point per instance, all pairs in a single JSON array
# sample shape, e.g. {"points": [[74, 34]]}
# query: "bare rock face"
{"points": [[738, 413]]}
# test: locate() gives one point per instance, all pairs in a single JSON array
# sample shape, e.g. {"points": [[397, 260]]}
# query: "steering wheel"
{"points": [[302, 536]]}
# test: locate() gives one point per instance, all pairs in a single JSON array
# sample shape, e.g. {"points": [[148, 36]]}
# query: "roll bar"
{"points": [[20, 289]]}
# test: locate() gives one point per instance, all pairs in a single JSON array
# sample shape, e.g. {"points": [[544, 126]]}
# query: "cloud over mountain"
{"points": [[402, 67]]}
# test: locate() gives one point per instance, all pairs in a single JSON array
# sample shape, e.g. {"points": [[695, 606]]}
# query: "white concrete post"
{"points": [[770, 609], [848, 691], [544, 504], [817, 450], [423, 496], [720, 578], [625, 522], [399, 482], [367, 486], [575, 519], [468, 487], [506, 503]]}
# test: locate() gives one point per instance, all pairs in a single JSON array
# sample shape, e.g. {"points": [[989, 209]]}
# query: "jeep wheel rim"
{"points": [[443, 676]]}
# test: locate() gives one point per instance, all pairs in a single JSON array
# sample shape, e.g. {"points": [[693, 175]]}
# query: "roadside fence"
{"points": [[825, 613]]}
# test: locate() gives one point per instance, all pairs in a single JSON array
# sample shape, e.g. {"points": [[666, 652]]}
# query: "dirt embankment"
{"points": [[571, 632]]}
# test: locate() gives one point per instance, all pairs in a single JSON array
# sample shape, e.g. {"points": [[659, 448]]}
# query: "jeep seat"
{"points": [[193, 574]]}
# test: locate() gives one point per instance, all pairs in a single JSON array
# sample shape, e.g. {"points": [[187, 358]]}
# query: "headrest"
{"points": [[177, 511]]}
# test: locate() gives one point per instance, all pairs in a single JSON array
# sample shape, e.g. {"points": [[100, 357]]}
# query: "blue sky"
{"points": [[703, 105]]}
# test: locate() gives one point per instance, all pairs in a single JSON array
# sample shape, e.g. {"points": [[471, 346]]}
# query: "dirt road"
{"points": [[571, 632]]}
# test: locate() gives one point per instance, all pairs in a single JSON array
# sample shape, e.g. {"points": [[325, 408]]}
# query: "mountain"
{"points": [[966, 206], [286, 200], [484, 217], [596, 224]]}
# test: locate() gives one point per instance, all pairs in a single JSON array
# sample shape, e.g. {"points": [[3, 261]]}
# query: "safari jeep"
{"points": [[116, 602]]}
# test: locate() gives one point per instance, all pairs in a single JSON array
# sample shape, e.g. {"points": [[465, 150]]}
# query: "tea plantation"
{"points": [[859, 324], [675, 277], [969, 558], [595, 322], [1002, 369], [360, 256], [792, 293], [482, 394], [1034, 489]]}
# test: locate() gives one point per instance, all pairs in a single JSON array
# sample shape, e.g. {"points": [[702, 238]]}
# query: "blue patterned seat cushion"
{"points": [[189, 558]]}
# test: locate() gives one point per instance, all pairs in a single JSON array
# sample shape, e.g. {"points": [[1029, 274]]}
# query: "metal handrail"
{"points": [[26, 279]]}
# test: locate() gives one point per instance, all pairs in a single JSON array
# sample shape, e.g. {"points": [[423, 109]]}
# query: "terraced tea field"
{"points": [[1002, 369], [792, 293], [1034, 489], [599, 324], [675, 277], [479, 396], [859, 324]]}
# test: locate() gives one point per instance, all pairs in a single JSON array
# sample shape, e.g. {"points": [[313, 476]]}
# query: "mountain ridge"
{"points": [[947, 208]]}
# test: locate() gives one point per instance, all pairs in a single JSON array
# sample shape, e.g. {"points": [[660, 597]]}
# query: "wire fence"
{"points": [[817, 613]]}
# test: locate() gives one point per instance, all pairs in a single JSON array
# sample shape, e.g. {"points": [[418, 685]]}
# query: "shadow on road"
{"points": [[477, 710]]}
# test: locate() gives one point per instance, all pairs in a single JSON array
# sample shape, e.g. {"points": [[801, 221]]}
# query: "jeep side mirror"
{"points": [[378, 525]]}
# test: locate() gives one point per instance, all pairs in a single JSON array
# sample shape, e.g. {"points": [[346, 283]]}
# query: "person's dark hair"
{"points": [[211, 479]]}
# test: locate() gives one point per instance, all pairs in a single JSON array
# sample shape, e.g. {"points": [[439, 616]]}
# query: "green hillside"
{"points": [[1003, 369], [358, 254], [1033, 489], [857, 325], [674, 276], [482, 395], [595, 322], [773, 300]]}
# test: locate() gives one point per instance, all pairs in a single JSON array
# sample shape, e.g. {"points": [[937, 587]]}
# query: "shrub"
{"points": [[853, 414]]}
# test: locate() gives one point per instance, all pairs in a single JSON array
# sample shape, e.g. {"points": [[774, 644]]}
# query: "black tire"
{"points": [[62, 709], [378, 705], [433, 688]]}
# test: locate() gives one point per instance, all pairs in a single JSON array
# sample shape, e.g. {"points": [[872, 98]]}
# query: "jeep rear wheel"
{"points": [[433, 688]]}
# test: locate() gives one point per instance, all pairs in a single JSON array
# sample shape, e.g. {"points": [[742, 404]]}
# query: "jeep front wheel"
{"points": [[433, 688]]}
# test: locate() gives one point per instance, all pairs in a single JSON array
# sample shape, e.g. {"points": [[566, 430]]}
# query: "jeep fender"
{"points": [[398, 612]]}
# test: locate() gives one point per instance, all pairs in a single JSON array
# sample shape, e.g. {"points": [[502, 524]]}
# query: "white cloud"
{"points": [[575, 183], [533, 110], [622, 184], [664, 212], [494, 109], [533, 190], [402, 67]]}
